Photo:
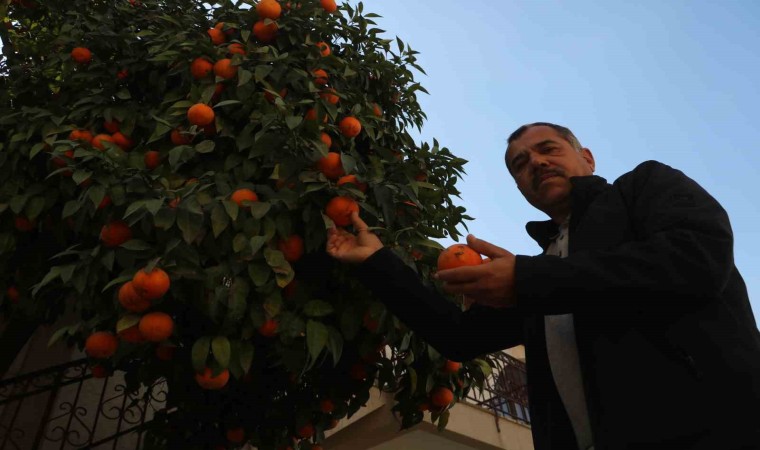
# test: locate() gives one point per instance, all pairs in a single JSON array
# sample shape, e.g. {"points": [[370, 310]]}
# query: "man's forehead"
{"points": [[533, 136]]}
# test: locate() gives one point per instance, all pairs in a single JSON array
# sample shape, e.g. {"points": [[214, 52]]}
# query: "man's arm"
{"points": [[684, 255], [458, 335]]}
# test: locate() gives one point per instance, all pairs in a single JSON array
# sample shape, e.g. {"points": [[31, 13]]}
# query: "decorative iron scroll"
{"points": [[65, 407], [505, 392]]}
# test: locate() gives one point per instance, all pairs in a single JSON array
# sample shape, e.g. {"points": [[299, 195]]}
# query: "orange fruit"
{"points": [[236, 49], [217, 36], [13, 294], [290, 289], [243, 195], [156, 326], [98, 140], [124, 142], [329, 5], [179, 138], [201, 115], [291, 248], [224, 69], [331, 166], [424, 406], [353, 180], [115, 233], [236, 435], [333, 424], [329, 96], [451, 366], [207, 380], [201, 68], [324, 137], [131, 300], [111, 126], [152, 159], [458, 255], [311, 114], [324, 49], [339, 209], [132, 335], [441, 397], [320, 76], [269, 328], [306, 431], [151, 285], [123, 74], [376, 110], [81, 135], [326, 406], [101, 345], [369, 322], [350, 126], [269, 9], [263, 32], [23, 224], [81, 55]]}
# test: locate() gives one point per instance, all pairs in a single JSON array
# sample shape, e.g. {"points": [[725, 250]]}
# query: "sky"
{"points": [[673, 81]]}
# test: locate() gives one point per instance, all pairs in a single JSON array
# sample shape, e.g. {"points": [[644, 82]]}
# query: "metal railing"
{"points": [[65, 407], [505, 392]]}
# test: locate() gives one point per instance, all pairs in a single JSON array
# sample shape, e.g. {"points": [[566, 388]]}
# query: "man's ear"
{"points": [[589, 158]]}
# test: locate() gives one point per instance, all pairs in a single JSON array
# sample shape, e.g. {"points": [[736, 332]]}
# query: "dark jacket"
{"points": [[668, 345]]}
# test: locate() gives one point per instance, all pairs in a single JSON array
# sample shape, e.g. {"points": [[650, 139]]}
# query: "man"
{"points": [[636, 323]]}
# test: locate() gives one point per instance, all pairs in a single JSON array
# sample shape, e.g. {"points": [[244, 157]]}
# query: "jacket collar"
{"points": [[584, 190]]}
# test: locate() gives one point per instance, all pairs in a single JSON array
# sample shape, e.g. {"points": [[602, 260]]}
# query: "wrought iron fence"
{"points": [[505, 392], [65, 407]]}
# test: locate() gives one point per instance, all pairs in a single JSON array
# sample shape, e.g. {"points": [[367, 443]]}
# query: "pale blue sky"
{"points": [[674, 81]]}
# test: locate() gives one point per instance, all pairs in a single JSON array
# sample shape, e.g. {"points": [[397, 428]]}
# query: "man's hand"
{"points": [[349, 248], [491, 283]]}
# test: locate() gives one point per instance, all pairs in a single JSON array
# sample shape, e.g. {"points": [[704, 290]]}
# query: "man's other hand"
{"points": [[349, 248], [491, 283]]}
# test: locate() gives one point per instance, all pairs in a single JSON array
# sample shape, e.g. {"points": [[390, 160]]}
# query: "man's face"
{"points": [[542, 162]]}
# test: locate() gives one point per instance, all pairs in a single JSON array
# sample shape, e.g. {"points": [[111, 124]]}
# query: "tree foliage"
{"points": [[293, 332]]}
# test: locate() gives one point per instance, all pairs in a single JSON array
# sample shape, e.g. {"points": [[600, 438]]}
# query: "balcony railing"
{"points": [[505, 392]]}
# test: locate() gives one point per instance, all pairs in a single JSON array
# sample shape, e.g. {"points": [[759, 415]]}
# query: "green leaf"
{"points": [[57, 336], [239, 242], [206, 146], [259, 273], [282, 269], [136, 245], [232, 209], [316, 338], [219, 220], [335, 344], [52, 274], [133, 208], [256, 243], [443, 420], [34, 207], [220, 346], [293, 121], [246, 356], [199, 353], [244, 76], [190, 224], [70, 208], [153, 206], [318, 308], [261, 72], [127, 321], [80, 175], [227, 102], [259, 209]]}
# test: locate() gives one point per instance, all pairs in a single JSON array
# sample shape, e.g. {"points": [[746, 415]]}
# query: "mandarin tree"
{"points": [[167, 192]]}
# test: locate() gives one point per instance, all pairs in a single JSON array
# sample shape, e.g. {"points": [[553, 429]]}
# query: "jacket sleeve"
{"points": [[682, 255], [458, 335]]}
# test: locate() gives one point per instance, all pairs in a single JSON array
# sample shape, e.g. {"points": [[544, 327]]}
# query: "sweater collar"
{"points": [[583, 191]]}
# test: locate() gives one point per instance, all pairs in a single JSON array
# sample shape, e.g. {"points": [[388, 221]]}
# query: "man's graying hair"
{"points": [[564, 132]]}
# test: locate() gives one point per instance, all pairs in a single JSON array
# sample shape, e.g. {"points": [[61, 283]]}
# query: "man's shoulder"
{"points": [[646, 170]]}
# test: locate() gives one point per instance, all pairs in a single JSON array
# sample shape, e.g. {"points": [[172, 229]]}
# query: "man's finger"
{"points": [[485, 247], [461, 274], [358, 223]]}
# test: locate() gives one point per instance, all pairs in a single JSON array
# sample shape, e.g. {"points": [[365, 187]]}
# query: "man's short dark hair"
{"points": [[564, 132]]}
